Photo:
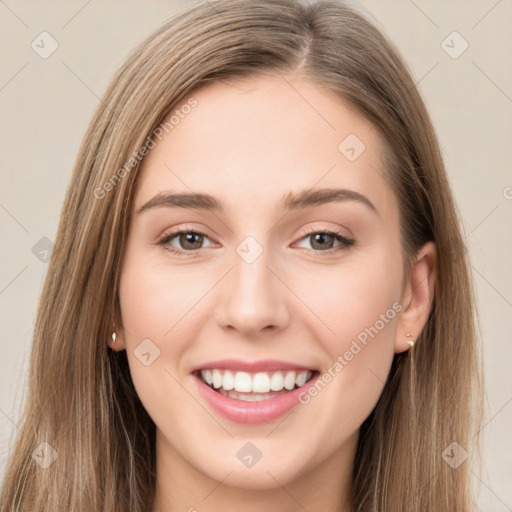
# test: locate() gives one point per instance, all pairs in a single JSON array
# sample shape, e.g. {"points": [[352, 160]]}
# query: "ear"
{"points": [[417, 297]]}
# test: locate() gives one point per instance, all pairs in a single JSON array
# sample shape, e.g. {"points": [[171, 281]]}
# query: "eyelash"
{"points": [[345, 243]]}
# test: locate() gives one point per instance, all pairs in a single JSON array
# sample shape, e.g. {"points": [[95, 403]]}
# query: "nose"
{"points": [[253, 298]]}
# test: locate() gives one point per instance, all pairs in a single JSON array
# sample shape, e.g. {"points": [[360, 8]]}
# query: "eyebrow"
{"points": [[305, 199]]}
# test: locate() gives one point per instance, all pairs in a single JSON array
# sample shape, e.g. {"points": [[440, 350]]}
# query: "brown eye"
{"points": [[324, 241], [188, 241]]}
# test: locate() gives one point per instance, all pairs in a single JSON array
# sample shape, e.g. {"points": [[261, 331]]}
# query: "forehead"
{"points": [[262, 138]]}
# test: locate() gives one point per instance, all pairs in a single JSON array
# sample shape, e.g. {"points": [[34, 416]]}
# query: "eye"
{"points": [[189, 240], [322, 241], [192, 240]]}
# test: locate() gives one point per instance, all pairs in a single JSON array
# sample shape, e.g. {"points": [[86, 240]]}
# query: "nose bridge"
{"points": [[255, 296]]}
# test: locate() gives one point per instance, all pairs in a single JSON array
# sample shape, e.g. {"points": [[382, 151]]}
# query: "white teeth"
{"points": [[217, 379], [250, 397], [261, 382], [228, 381], [301, 379], [289, 380], [277, 381], [207, 376], [243, 382]]}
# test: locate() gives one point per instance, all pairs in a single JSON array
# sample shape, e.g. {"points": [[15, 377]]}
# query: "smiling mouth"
{"points": [[253, 387]]}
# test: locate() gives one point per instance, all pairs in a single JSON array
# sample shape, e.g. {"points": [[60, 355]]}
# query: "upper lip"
{"points": [[251, 366]]}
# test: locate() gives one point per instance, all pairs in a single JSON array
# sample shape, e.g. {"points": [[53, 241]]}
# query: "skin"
{"points": [[249, 143]]}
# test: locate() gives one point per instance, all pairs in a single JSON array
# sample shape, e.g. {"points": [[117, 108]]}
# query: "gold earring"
{"points": [[410, 342]]}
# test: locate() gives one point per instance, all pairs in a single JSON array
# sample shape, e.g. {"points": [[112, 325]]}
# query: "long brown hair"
{"points": [[81, 399]]}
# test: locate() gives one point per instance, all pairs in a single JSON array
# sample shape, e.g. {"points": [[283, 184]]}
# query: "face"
{"points": [[265, 284]]}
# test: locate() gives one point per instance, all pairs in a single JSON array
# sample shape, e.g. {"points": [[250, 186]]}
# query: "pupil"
{"points": [[189, 238], [322, 236]]}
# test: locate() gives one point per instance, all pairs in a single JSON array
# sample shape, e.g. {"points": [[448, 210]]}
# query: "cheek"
{"points": [[359, 309], [154, 307], [156, 302], [157, 306], [356, 300]]}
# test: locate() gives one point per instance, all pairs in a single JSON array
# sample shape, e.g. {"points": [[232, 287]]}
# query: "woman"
{"points": [[190, 351]]}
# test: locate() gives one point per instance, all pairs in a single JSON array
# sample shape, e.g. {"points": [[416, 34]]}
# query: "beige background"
{"points": [[46, 104]]}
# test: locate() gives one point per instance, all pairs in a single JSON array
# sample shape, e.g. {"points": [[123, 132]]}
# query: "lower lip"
{"points": [[241, 411]]}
